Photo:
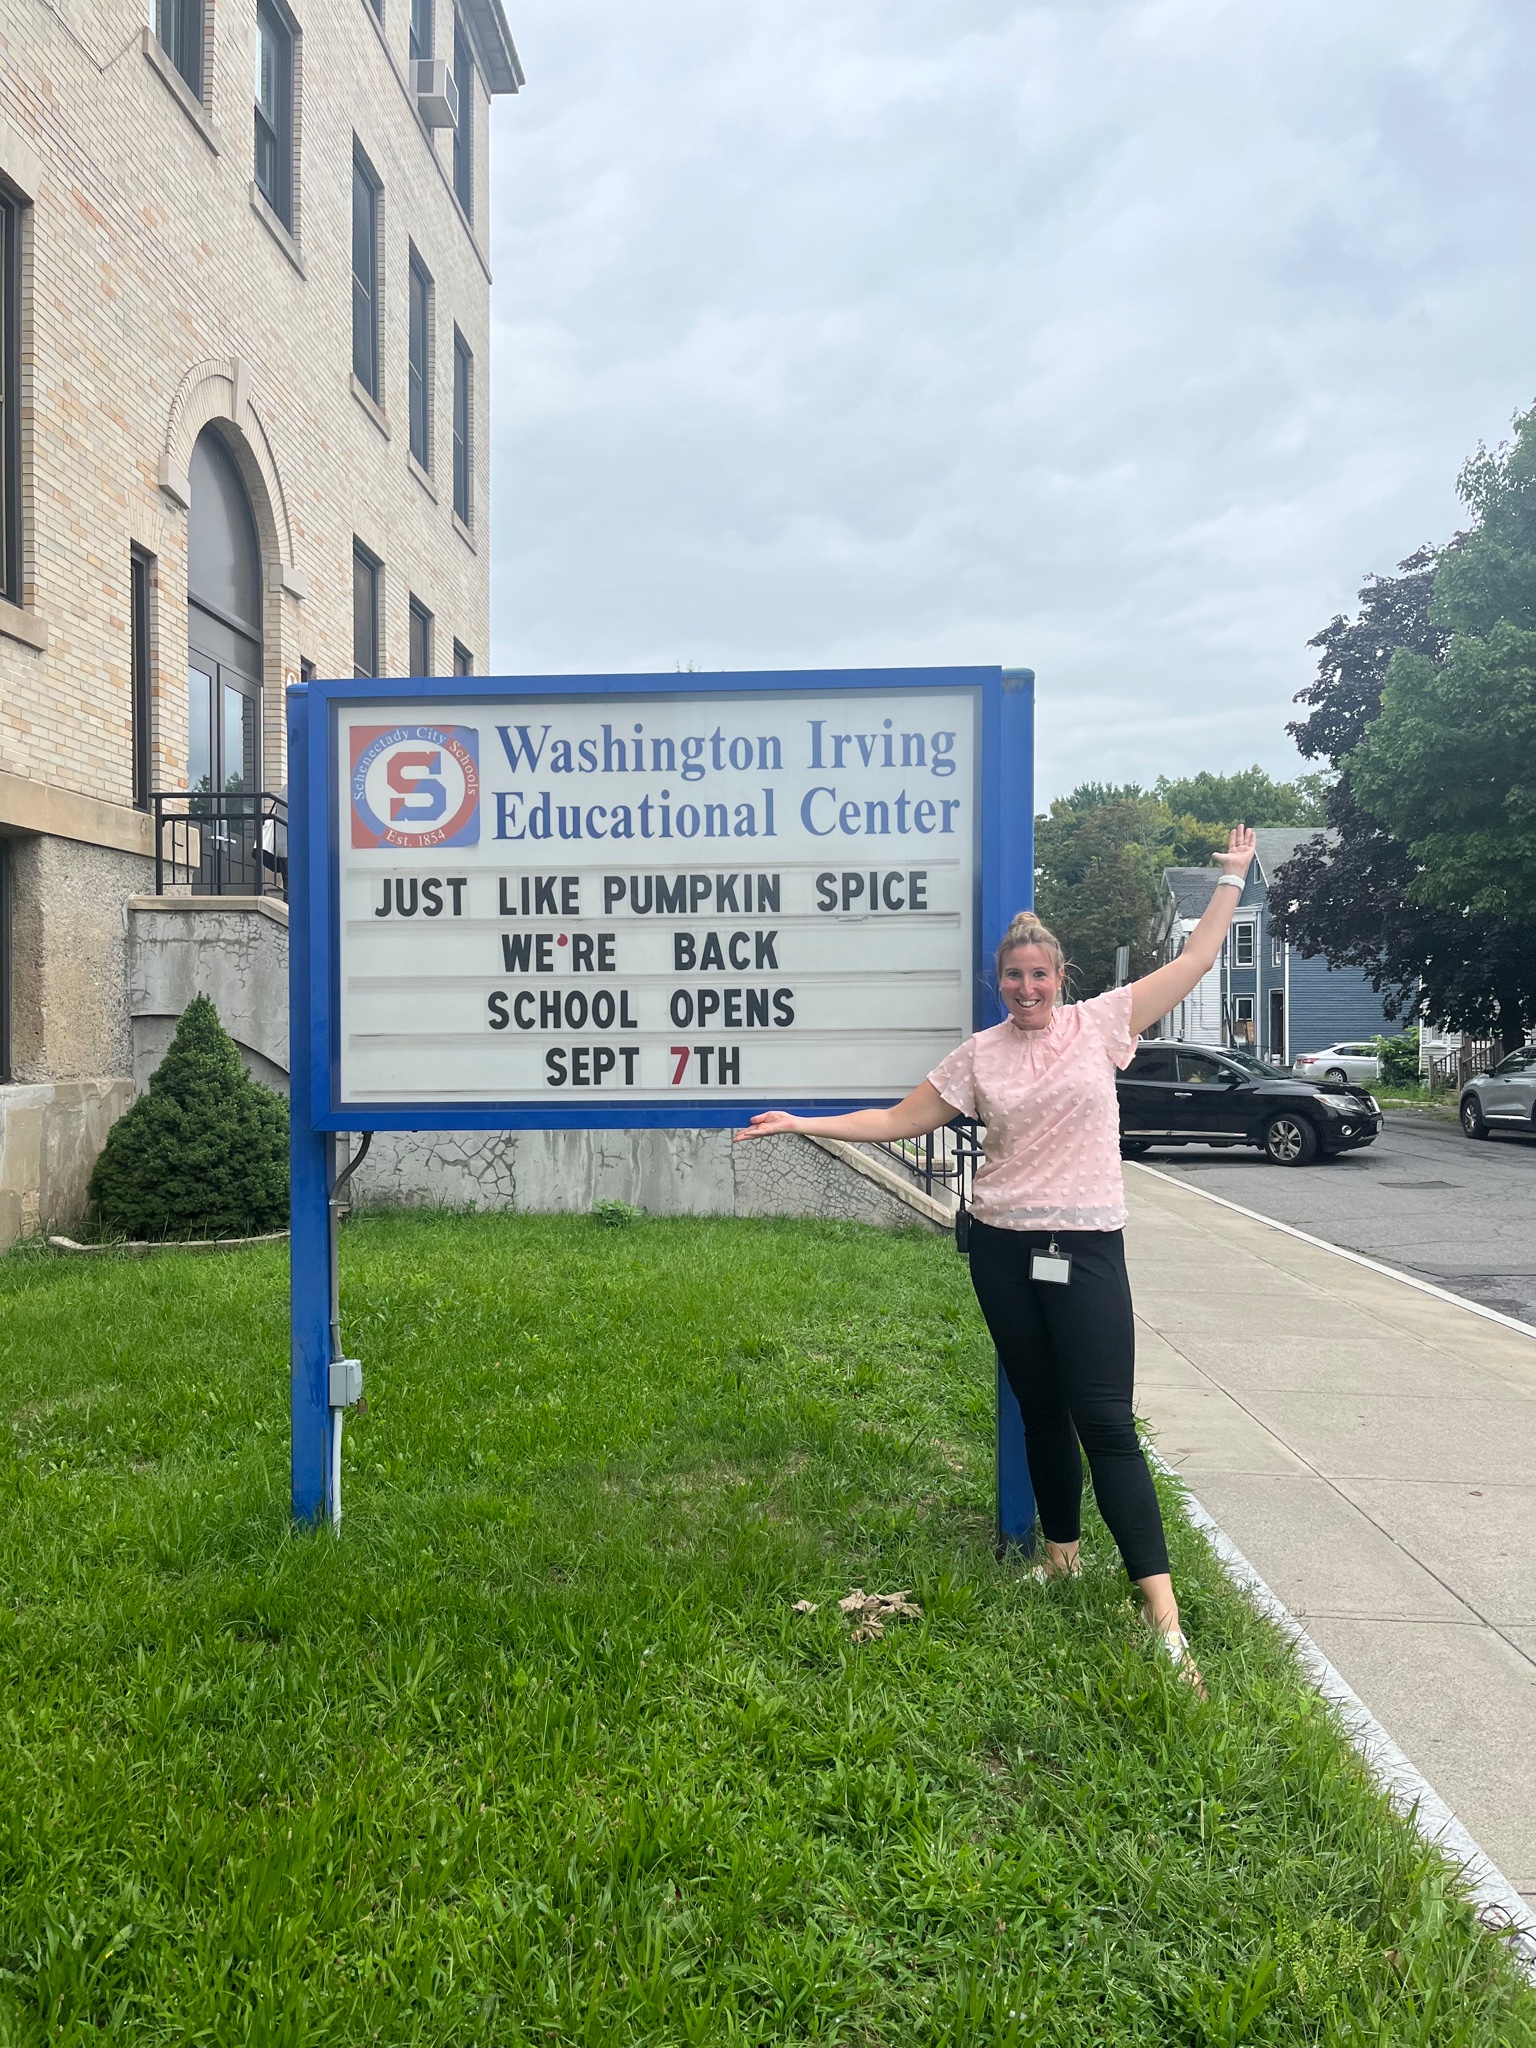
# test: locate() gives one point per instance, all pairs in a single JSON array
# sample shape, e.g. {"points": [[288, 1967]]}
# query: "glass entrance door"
{"points": [[201, 684], [223, 768], [237, 732], [223, 729]]}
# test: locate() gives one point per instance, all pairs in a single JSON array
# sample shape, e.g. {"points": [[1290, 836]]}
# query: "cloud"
{"points": [[1118, 340]]}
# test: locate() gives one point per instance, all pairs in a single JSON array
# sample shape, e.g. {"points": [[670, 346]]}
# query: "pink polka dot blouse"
{"points": [[1047, 1098]]}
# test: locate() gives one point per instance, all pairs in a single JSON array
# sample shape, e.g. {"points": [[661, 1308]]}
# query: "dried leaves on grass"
{"points": [[869, 1612]]}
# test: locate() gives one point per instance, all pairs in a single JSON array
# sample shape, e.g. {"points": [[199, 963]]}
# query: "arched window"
{"points": [[224, 625]]}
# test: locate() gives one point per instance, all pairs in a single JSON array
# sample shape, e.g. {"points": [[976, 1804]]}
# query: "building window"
{"points": [[421, 639], [1242, 1020], [463, 378], [139, 673], [367, 577], [463, 660], [420, 353], [1276, 952], [10, 398], [274, 111], [1242, 945], [179, 32], [365, 276], [421, 29], [464, 132]]}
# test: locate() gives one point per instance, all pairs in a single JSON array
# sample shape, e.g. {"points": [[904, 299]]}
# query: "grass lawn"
{"points": [[1441, 1102], [539, 1751]]}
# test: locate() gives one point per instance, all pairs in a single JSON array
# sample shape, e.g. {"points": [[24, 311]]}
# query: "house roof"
{"points": [[499, 64], [1276, 843], [1190, 889]]}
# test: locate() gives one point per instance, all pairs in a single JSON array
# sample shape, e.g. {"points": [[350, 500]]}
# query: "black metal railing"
{"points": [[220, 843], [943, 1161]]}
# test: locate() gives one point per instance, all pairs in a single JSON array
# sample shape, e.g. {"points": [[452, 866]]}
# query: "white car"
{"points": [[1353, 1061]]}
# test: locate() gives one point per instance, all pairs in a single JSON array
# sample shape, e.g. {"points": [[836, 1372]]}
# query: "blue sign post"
{"points": [[610, 902]]}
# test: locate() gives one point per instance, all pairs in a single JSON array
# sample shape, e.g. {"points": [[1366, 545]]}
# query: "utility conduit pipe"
{"points": [[346, 1377]]}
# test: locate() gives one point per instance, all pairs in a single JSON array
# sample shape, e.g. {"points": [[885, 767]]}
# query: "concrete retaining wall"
{"points": [[69, 1014], [232, 948], [664, 1173], [50, 1135]]}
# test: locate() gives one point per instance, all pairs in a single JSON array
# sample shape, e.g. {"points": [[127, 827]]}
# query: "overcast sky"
{"points": [[1116, 339]]}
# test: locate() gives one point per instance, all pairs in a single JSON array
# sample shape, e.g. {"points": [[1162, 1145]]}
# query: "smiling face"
{"points": [[1030, 982]]}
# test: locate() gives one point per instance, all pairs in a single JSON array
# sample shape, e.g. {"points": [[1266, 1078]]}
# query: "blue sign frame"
{"points": [[1005, 872]]}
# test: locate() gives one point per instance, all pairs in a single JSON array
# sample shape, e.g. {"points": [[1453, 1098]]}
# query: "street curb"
{"points": [[1476, 1308], [147, 1247], [1499, 1906]]}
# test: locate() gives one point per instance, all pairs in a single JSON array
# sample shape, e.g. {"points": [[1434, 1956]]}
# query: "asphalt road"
{"points": [[1422, 1198]]}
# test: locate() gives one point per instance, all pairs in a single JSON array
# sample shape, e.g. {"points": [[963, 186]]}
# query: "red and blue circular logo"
{"points": [[415, 785]]}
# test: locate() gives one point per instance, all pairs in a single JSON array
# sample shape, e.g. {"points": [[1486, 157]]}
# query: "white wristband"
{"points": [[1230, 882]]}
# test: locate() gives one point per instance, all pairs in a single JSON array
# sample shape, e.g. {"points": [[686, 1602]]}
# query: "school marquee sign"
{"points": [[625, 900]]}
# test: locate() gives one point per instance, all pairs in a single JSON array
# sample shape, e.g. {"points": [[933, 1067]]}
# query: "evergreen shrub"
{"points": [[203, 1152]]}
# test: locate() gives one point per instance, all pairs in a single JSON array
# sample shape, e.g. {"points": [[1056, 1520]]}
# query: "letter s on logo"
{"points": [[415, 775]]}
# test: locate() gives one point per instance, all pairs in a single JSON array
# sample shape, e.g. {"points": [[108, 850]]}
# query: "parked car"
{"points": [[1174, 1094], [1503, 1100], [1355, 1061]]}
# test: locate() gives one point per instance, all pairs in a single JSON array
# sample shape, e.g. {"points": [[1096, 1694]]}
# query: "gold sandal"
{"points": [[1174, 1645]]}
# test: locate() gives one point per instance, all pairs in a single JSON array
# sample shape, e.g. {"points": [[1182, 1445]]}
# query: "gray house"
{"points": [[1261, 993]]}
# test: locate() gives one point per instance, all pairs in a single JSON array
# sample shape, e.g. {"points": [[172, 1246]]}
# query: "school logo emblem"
{"points": [[415, 785]]}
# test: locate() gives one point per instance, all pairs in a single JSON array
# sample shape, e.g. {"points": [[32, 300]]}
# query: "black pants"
{"points": [[1070, 1356]]}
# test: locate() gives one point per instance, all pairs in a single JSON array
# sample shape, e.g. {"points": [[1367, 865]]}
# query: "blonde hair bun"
{"points": [[1025, 929]]}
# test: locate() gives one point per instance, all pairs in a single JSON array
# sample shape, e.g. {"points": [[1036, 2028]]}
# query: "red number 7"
{"points": [[680, 1054]]}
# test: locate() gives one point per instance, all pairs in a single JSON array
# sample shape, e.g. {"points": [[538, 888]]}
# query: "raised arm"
{"points": [[923, 1110], [1157, 993]]}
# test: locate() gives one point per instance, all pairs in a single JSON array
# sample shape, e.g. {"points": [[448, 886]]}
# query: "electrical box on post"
{"points": [[346, 1382]]}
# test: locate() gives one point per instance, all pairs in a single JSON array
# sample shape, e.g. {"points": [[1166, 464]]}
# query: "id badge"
{"points": [[1052, 1266]]}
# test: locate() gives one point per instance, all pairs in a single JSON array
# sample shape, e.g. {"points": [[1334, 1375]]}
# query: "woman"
{"points": [[1047, 1214]]}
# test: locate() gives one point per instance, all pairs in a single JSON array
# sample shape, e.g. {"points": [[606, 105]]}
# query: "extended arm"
{"points": [[923, 1110], [1157, 993]]}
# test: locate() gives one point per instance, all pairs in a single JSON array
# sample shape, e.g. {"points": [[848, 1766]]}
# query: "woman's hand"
{"points": [[923, 1110], [1241, 845], [769, 1124]]}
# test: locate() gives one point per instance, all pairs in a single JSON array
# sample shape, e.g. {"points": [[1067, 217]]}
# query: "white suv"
{"points": [[1355, 1061], [1504, 1100]]}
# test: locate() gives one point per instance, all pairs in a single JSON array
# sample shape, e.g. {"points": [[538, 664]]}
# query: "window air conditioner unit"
{"points": [[437, 93]]}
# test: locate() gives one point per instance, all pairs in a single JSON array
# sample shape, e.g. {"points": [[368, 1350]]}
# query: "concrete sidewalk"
{"points": [[1372, 1451]]}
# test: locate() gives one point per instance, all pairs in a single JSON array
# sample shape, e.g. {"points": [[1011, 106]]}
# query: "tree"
{"points": [[1100, 852], [1352, 900], [204, 1151], [1098, 857], [1448, 765], [1356, 654], [1205, 807], [1487, 577], [1250, 797]]}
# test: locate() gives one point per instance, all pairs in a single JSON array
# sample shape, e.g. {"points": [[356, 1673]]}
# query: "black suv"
{"points": [[1174, 1094]]}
